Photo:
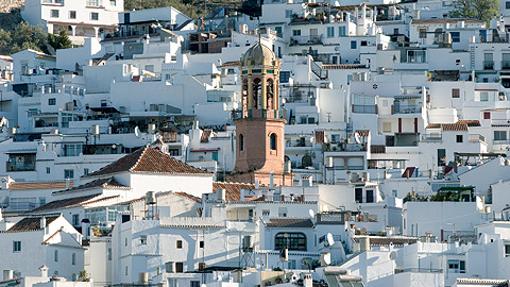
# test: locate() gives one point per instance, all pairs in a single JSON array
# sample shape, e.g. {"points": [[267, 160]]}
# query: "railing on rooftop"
{"points": [[417, 270], [364, 109]]}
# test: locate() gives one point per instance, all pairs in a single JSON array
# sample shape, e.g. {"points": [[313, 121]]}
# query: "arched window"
{"points": [[290, 240], [272, 141], [257, 92], [270, 95], [241, 142]]}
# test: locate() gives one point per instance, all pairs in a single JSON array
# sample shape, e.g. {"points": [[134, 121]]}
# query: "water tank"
{"points": [[364, 243]]}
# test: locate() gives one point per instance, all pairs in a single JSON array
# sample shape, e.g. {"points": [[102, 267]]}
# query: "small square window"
{"points": [[201, 244], [55, 13], [354, 45], [16, 246], [459, 138], [68, 173], [143, 240], [455, 93], [52, 102], [85, 171], [486, 115], [455, 37], [179, 267], [94, 16], [364, 43], [179, 244], [507, 250], [296, 32], [423, 33], [48, 170], [72, 14], [507, 5]]}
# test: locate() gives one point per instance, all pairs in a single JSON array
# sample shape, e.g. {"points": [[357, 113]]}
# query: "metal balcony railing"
{"points": [[364, 109], [488, 65], [405, 109]]}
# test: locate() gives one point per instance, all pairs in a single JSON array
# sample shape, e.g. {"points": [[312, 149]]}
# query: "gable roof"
{"points": [[232, 189], [106, 183], [30, 224], [71, 202], [148, 159]]}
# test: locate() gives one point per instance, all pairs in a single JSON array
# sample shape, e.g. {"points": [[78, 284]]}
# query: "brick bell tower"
{"points": [[260, 153]]}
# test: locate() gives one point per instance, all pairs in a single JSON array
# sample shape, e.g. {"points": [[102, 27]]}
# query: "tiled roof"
{"points": [[70, 202], [30, 224], [289, 222], [456, 127], [470, 123], [484, 282], [38, 185], [232, 189], [109, 183], [148, 159], [189, 196]]}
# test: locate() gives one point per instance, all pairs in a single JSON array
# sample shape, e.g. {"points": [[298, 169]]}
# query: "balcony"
{"points": [[405, 109], [433, 137], [364, 109], [475, 138], [15, 166], [488, 65], [306, 40], [417, 270]]}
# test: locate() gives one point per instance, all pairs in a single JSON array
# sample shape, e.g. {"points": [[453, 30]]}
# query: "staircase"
{"points": [[318, 71]]}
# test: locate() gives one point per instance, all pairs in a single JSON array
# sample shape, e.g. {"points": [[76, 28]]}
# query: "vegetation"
{"points": [[16, 35], [185, 6], [484, 10]]}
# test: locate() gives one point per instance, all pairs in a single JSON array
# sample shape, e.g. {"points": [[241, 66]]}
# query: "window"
{"points": [[94, 16], [455, 93], [76, 220], [396, 31], [290, 240], [68, 173], [194, 283], [455, 37], [55, 256], [296, 32], [113, 2], [85, 171], [423, 33], [507, 5], [282, 212], [16, 246], [278, 30], [93, 3], [54, 13], [179, 244], [73, 259], [507, 246], [201, 244], [266, 212], [363, 43], [125, 241], [341, 31], [241, 142], [486, 115], [272, 141], [370, 196], [284, 76], [386, 127], [48, 170], [456, 266], [109, 254], [499, 135], [52, 102], [169, 267], [358, 195], [126, 271], [484, 96], [143, 240], [72, 14], [288, 13], [330, 32], [459, 138], [354, 45], [179, 267]]}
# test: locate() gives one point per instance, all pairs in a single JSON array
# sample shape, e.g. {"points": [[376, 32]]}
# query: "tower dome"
{"points": [[258, 55]]}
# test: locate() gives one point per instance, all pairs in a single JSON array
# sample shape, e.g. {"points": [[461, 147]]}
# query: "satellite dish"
{"points": [[137, 131], [311, 213], [329, 239], [326, 259], [357, 138]]}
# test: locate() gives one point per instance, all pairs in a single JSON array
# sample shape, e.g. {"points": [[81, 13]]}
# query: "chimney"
{"points": [[44, 271]]}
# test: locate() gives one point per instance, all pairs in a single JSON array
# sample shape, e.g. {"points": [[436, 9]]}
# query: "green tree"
{"points": [[483, 10], [59, 41]]}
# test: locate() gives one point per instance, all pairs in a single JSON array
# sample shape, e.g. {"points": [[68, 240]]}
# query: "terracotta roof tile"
{"points": [[232, 189], [456, 127], [189, 196], [289, 222], [205, 136], [148, 159], [70, 202], [30, 224], [109, 183], [38, 185]]}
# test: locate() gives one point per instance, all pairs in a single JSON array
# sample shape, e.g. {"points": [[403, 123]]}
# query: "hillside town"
{"points": [[311, 143]]}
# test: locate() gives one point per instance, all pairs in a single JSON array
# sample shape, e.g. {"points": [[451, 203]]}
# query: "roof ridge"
{"points": [[139, 158]]}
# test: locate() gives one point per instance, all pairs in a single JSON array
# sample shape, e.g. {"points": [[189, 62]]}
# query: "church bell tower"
{"points": [[260, 153]]}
